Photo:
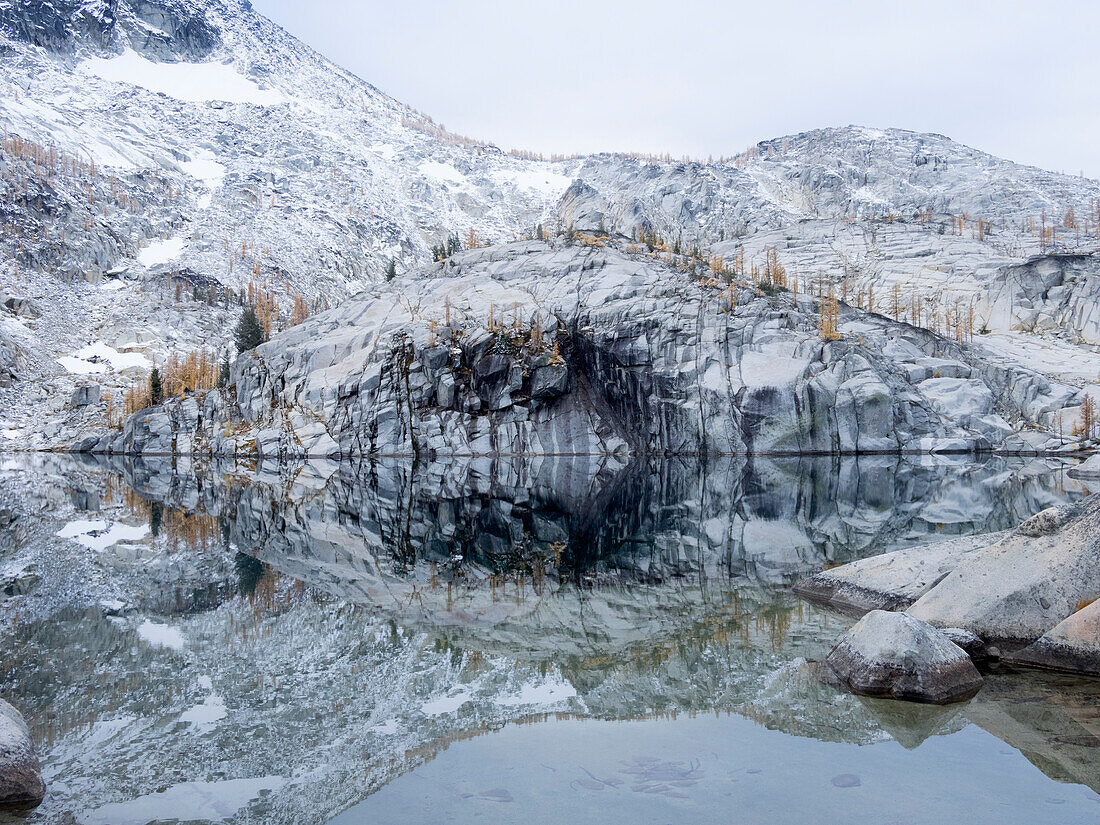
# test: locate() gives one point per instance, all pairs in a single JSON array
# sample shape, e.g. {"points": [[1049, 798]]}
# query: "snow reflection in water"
{"points": [[282, 644]]}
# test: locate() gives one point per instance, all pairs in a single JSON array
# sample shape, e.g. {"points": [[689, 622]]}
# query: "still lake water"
{"points": [[550, 640]]}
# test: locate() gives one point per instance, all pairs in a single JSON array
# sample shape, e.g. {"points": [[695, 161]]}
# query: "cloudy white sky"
{"points": [[1019, 79]]}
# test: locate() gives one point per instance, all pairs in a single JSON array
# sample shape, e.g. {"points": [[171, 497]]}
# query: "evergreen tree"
{"points": [[454, 244], [156, 389], [249, 572], [445, 249], [391, 270], [223, 373], [249, 333]]}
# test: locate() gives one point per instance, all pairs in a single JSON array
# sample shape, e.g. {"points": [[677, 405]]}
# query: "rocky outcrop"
{"points": [[1049, 294], [21, 784], [1087, 469], [1019, 587], [1072, 645], [165, 30], [897, 656], [13, 359], [176, 427], [19, 306], [537, 348], [1008, 589], [85, 395], [892, 581]]}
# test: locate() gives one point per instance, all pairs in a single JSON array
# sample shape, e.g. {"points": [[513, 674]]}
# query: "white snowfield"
{"points": [[544, 181], [441, 172], [100, 535], [195, 82], [204, 167], [161, 252], [99, 358], [161, 635]]}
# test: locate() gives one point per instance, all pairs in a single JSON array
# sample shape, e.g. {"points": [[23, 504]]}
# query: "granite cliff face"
{"points": [[544, 348], [169, 30], [1057, 295], [167, 157]]}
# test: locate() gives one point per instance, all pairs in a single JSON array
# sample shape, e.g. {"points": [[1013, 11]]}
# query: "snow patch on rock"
{"points": [[99, 358], [194, 82], [99, 535], [441, 172], [161, 252], [161, 635]]}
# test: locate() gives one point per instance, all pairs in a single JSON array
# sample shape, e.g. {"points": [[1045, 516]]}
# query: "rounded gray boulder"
{"points": [[21, 784], [897, 656]]}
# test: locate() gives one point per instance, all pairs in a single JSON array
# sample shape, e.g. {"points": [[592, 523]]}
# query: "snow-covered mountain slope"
{"points": [[851, 173], [162, 157]]}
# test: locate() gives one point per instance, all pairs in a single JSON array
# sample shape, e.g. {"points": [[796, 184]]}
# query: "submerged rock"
{"points": [[21, 784], [897, 656], [1072, 645]]}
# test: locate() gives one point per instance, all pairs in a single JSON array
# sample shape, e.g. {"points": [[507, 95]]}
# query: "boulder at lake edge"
{"points": [[21, 784], [897, 656], [1006, 589], [1073, 645], [891, 581], [1018, 588], [1089, 468]]}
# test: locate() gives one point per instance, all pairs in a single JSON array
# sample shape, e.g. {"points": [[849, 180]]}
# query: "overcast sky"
{"points": [[1018, 79]]}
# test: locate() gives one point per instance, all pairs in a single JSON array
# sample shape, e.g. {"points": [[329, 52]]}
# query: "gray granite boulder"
{"points": [[896, 656], [13, 359], [1019, 587], [1072, 645], [1002, 589], [891, 581], [1088, 469], [85, 396], [21, 784]]}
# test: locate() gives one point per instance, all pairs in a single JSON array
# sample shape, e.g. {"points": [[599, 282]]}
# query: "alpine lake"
{"points": [[538, 640]]}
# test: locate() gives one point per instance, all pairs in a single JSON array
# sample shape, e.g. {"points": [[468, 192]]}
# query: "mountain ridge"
{"points": [[308, 181]]}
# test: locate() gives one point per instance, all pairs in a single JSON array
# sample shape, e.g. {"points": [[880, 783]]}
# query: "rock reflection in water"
{"points": [[352, 527], [326, 628]]}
